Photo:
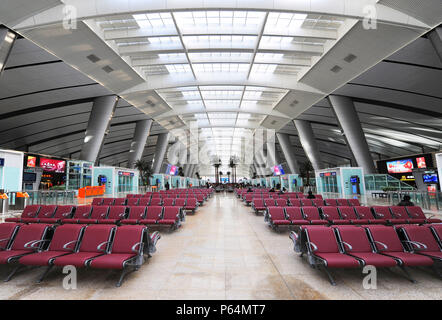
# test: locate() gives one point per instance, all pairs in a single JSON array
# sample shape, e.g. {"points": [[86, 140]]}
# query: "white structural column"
{"points": [[160, 152], [261, 161], [186, 169], [7, 39], [435, 37], [349, 121], [258, 169], [289, 153], [99, 120], [272, 157], [309, 143], [142, 130]]}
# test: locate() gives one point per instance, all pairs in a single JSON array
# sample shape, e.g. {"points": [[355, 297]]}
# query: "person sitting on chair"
{"points": [[310, 195], [406, 202]]}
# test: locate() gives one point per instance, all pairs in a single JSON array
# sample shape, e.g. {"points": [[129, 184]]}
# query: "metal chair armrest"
{"points": [[31, 244], [65, 246], [313, 246], [383, 244], [348, 245], [419, 245], [101, 244]]}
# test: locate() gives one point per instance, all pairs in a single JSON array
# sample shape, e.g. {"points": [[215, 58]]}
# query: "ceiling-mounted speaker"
{"points": [[107, 69], [336, 69], [93, 58], [150, 103], [294, 103], [350, 58]]}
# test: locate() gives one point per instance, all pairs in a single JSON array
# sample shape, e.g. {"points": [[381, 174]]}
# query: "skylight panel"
{"points": [[177, 68], [264, 68], [152, 20], [220, 67]]}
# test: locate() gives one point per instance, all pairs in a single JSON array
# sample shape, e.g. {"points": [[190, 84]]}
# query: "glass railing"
{"points": [[427, 200], [377, 182]]}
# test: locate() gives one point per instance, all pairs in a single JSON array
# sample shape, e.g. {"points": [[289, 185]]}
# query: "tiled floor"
{"points": [[224, 251]]}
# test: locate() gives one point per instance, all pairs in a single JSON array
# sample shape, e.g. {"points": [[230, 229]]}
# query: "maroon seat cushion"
{"points": [[49, 220], [341, 221], [377, 221], [30, 220], [432, 220], [87, 221], [398, 221], [107, 221], [319, 222], [166, 221], [339, 260], [129, 221], [12, 219], [375, 259], [69, 221], [148, 221], [436, 254], [279, 222], [360, 221], [75, 259], [300, 222], [111, 261], [6, 255], [41, 258], [410, 259]]}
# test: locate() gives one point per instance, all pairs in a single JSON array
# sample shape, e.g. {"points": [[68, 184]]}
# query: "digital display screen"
{"points": [[400, 166], [29, 177], [430, 178], [421, 162], [53, 165], [172, 170], [354, 179], [278, 170], [31, 162]]}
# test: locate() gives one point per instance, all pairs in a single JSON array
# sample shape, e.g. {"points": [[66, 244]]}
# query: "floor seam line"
{"points": [[273, 263]]}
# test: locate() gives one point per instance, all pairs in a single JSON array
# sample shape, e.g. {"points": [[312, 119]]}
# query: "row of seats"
{"points": [[169, 215], [262, 204], [379, 246], [188, 204], [266, 194], [95, 246], [277, 216]]}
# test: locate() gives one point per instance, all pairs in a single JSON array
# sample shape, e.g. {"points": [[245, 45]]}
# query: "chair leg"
{"points": [[330, 277], [45, 273], [437, 270], [407, 274], [13, 272], [125, 272]]}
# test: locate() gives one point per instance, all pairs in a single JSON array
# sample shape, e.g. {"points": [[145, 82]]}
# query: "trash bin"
{"points": [[20, 203], [4, 205]]}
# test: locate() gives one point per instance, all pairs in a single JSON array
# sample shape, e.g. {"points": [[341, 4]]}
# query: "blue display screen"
{"points": [[354, 179], [429, 178]]}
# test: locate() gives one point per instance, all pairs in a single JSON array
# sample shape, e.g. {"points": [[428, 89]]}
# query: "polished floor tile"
{"points": [[224, 251]]}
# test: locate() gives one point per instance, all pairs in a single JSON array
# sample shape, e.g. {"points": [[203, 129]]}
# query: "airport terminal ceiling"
{"points": [[229, 68]]}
